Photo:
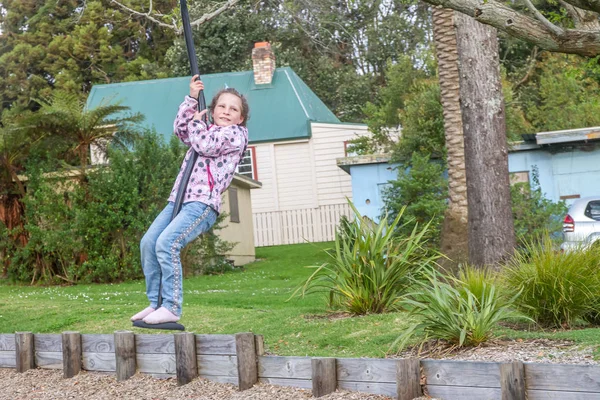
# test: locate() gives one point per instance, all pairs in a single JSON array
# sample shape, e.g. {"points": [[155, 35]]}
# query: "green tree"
{"points": [[340, 49], [71, 45], [65, 119], [385, 115], [422, 122], [421, 189], [562, 95]]}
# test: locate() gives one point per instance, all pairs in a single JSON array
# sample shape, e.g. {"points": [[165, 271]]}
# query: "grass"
{"points": [[253, 300]]}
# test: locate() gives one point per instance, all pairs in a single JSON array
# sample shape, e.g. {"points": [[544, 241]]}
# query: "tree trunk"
{"points": [[12, 213], [454, 240], [491, 230]]}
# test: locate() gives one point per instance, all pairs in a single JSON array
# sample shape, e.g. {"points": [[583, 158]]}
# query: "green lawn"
{"points": [[252, 300]]}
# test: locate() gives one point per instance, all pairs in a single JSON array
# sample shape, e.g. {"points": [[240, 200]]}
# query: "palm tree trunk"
{"points": [[83, 156], [454, 240]]}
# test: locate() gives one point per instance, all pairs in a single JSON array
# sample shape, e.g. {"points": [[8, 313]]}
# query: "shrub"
{"points": [[464, 314], [534, 215], [89, 230], [371, 266], [555, 288], [476, 281], [206, 254], [419, 194], [53, 246]]}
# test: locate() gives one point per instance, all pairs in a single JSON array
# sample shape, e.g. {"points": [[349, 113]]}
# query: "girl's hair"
{"points": [[245, 108]]}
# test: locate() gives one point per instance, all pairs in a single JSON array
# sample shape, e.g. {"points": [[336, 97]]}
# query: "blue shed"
{"points": [[568, 165]]}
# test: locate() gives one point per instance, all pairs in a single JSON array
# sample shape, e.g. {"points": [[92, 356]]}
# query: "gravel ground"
{"points": [[535, 350], [42, 384]]}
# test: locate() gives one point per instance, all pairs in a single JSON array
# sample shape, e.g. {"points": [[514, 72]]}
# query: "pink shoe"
{"points": [[142, 314], [161, 316]]}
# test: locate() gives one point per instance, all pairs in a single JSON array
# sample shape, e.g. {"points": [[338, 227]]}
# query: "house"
{"points": [[565, 162], [294, 143]]}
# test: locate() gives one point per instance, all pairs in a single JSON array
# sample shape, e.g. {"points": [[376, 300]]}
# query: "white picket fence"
{"points": [[298, 226]]}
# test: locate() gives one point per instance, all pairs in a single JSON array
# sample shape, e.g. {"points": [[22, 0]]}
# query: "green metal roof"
{"points": [[278, 111]]}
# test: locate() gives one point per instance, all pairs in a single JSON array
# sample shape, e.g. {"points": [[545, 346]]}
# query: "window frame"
{"points": [[253, 169]]}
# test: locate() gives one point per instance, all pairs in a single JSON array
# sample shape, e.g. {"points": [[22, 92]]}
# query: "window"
{"points": [[347, 149], [247, 165], [234, 208], [593, 210]]}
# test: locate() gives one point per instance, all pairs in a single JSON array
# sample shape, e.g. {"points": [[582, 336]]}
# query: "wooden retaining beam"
{"points": [[324, 376], [240, 360], [512, 381], [72, 353], [246, 360], [124, 354], [185, 357], [8, 354], [408, 378], [48, 351], [217, 359], [25, 357]]}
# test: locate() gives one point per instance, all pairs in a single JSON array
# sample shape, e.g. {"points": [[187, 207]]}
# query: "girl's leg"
{"points": [[150, 263], [193, 219]]}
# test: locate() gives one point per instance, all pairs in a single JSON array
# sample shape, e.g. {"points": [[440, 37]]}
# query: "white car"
{"points": [[581, 226]]}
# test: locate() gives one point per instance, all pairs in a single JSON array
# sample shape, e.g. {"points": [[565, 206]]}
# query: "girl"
{"points": [[220, 147]]}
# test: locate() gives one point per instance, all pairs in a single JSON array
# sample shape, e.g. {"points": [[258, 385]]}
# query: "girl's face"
{"points": [[228, 110]]}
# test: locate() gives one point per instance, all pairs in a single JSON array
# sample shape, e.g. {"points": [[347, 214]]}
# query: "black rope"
{"points": [[189, 43]]}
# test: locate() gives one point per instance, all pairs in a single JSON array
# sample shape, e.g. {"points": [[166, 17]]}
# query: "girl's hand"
{"points": [[199, 114], [196, 86]]}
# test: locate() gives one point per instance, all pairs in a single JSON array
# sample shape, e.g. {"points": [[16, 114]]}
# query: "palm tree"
{"points": [[454, 241], [64, 116]]}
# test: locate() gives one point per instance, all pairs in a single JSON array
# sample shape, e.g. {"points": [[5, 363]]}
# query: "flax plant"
{"points": [[455, 312], [371, 266]]}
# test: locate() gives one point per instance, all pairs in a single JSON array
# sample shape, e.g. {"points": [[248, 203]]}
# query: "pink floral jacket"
{"points": [[219, 148]]}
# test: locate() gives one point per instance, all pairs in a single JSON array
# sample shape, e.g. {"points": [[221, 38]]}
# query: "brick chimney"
{"points": [[263, 61]]}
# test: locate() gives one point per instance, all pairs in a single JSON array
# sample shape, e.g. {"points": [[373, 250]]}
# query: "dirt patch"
{"points": [[331, 316]]}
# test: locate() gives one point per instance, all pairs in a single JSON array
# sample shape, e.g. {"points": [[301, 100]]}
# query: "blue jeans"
{"points": [[161, 251]]}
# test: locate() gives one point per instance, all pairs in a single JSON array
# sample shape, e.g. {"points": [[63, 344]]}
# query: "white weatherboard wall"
{"points": [[304, 193], [295, 180], [265, 198], [333, 184]]}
